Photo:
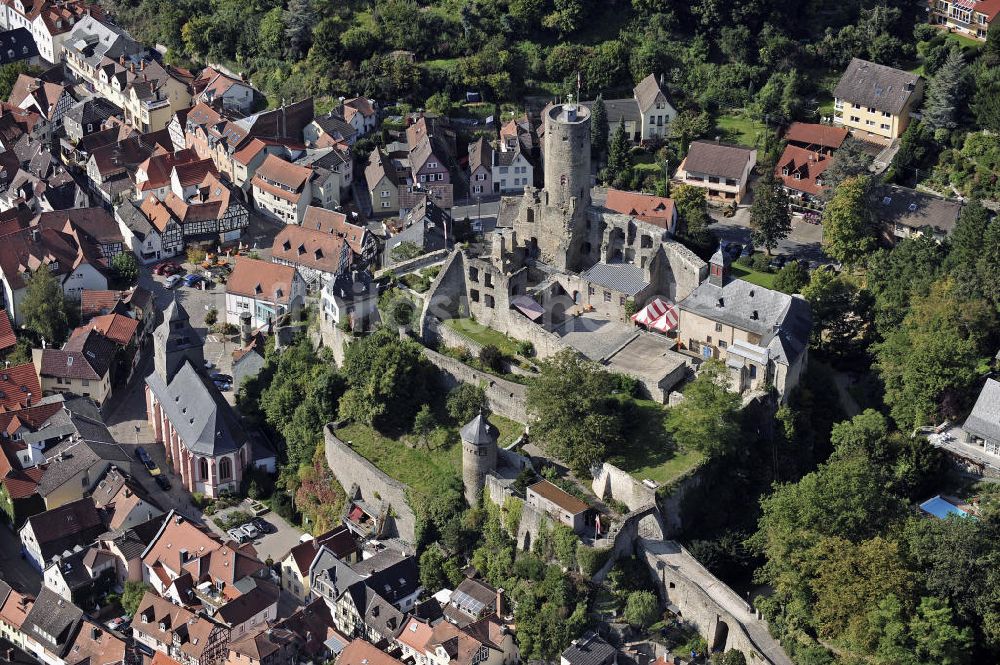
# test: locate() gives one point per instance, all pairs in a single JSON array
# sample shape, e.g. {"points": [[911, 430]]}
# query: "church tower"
{"points": [[479, 456], [175, 341]]}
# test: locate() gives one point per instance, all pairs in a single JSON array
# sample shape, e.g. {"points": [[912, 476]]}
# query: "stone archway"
{"points": [[721, 635]]}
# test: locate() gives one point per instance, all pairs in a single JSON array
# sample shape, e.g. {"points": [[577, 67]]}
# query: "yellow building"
{"points": [[876, 101]]}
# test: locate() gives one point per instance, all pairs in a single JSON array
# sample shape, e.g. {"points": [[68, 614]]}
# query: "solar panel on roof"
{"points": [[467, 603]]}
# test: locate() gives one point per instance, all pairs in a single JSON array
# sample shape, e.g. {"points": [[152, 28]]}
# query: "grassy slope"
{"points": [[477, 332], [649, 452], [421, 468]]}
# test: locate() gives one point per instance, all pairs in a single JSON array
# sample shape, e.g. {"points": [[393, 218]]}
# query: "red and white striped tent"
{"points": [[658, 315]]}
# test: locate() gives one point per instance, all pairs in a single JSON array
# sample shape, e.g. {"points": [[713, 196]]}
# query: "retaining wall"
{"points": [[504, 397], [374, 486], [621, 486]]}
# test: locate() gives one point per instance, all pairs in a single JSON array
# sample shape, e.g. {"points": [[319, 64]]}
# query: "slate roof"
{"points": [[93, 111], [647, 91], [202, 418], [352, 286], [78, 456], [984, 421], [339, 541], [783, 321], [134, 220], [900, 205], [17, 45], [718, 159], [589, 650], [390, 574], [480, 155], [52, 621], [478, 431], [133, 542], [60, 529], [471, 600], [622, 277], [85, 356], [249, 604], [876, 86], [335, 125], [619, 110]]}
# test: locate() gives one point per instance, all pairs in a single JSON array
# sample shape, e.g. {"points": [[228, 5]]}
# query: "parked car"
{"points": [[219, 376], [251, 531], [778, 262], [141, 454], [173, 281], [223, 386], [162, 481], [166, 268], [192, 279], [238, 535], [263, 525]]}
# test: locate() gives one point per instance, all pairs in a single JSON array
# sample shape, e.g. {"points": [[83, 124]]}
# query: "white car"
{"points": [[172, 281], [252, 532]]}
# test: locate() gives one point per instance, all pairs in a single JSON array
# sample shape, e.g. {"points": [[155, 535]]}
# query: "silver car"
{"points": [[251, 532]]}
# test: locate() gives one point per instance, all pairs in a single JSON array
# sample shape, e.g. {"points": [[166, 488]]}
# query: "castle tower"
{"points": [[175, 341], [567, 155], [479, 456]]}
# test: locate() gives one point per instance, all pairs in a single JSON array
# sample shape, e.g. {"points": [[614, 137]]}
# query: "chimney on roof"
{"points": [[131, 67], [499, 607], [142, 64], [121, 59], [663, 80], [34, 234]]}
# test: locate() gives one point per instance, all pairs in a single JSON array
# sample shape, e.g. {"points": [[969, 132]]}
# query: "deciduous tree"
{"points": [[850, 232], [43, 309], [641, 609], [707, 418], [770, 220]]}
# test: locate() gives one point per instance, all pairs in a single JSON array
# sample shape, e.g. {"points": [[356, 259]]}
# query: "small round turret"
{"points": [[479, 456]]}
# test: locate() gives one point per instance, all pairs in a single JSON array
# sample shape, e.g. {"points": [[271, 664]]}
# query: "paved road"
{"points": [[17, 572], [673, 556], [804, 241]]}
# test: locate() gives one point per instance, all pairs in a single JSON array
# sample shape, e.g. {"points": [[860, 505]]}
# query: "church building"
{"points": [[205, 443]]}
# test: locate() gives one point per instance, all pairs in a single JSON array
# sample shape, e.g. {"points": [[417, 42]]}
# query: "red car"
{"points": [[169, 268]]}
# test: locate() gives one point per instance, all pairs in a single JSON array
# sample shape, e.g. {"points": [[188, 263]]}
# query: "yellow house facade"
{"points": [[876, 100]]}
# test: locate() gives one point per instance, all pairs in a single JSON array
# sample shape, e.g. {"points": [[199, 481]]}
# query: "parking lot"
{"points": [[804, 241], [269, 545]]}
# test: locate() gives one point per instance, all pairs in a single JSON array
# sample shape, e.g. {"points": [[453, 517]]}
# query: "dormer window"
{"points": [[784, 170], [798, 176]]}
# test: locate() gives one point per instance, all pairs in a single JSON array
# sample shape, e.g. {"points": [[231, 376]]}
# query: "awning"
{"points": [[667, 322], [528, 306], [656, 308]]}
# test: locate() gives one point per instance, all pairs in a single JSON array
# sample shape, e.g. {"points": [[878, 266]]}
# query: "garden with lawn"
{"points": [[649, 452]]}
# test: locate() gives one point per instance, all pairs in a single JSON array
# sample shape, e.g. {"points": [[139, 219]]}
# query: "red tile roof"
{"points": [[15, 384], [331, 221], [310, 248], [559, 497], [261, 279], [7, 336], [825, 136], [94, 302], [805, 164], [360, 652], [22, 484], [119, 328], [657, 210], [159, 166]]}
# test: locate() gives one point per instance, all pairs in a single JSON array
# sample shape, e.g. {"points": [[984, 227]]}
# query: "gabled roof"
{"points": [[263, 280], [559, 497], [876, 86], [331, 221], [74, 523], [52, 621], [162, 620], [17, 382], [806, 134], [95, 645], [339, 541], [7, 337], [480, 155], [718, 159], [282, 178], [326, 252], [359, 652], [917, 210], [86, 356], [205, 423], [984, 421], [799, 169], [657, 210], [647, 92], [16, 45], [119, 328], [379, 167]]}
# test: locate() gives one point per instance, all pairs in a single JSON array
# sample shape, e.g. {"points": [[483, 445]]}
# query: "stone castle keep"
{"points": [[560, 264]]}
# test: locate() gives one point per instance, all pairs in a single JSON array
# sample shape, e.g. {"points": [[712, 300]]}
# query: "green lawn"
{"points": [[765, 279], [736, 128], [963, 41], [649, 452], [424, 468], [477, 332]]}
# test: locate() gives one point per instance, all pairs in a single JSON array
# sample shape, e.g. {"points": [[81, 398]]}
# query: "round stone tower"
{"points": [[567, 154], [479, 456]]}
